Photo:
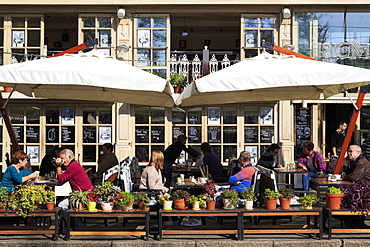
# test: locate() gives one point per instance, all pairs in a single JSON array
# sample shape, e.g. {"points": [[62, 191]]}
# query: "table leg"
{"points": [[160, 226], [56, 223], [147, 225], [321, 224], [329, 223]]}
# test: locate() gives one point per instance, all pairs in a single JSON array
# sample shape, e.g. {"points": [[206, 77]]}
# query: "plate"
{"points": [[228, 208]]}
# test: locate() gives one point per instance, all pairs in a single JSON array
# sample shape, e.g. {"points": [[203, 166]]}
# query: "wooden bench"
{"points": [[329, 213], [32, 229], [70, 215], [307, 228], [197, 230]]}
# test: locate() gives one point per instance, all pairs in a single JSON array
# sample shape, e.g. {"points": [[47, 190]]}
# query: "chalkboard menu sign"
{"points": [[18, 131], [176, 131], [142, 134], [32, 134], [157, 134], [303, 127], [214, 134], [195, 134], [89, 134], [68, 134], [52, 134]]}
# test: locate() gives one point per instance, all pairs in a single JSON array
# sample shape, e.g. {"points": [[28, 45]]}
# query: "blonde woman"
{"points": [[151, 177]]}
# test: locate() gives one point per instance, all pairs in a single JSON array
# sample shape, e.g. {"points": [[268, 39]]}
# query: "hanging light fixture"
{"points": [[184, 32]]}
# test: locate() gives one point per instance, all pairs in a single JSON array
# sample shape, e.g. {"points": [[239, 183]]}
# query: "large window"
{"points": [[81, 128], [152, 43], [229, 129], [100, 27], [255, 29], [26, 37], [323, 36]]}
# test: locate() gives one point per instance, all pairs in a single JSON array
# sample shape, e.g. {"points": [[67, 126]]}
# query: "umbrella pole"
{"points": [[350, 129], [9, 127]]}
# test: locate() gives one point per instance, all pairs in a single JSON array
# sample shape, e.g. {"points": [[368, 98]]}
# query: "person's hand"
{"points": [[343, 174], [58, 162], [165, 190], [34, 175], [279, 166]]}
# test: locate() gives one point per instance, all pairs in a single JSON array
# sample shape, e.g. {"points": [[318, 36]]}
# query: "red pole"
{"points": [[350, 130]]}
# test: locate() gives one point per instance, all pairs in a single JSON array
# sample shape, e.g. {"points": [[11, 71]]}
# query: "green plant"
{"points": [[200, 198], [50, 196], [248, 194], [334, 190], [164, 198], [232, 195], [142, 197], [78, 197], [124, 199], [271, 193], [178, 80], [4, 194], [286, 192], [180, 194], [26, 197], [308, 200], [105, 191]]}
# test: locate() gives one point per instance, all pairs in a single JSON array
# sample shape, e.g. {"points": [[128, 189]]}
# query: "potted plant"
{"points": [[142, 199], [210, 190], [124, 200], [106, 192], [307, 201], [356, 196], [286, 195], [50, 199], [248, 196], [165, 201], [229, 198], [179, 197], [92, 197], [271, 197], [334, 197], [178, 81], [197, 202], [25, 198], [78, 199], [4, 196]]}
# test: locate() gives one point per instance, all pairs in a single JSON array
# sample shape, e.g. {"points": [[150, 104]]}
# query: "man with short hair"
{"points": [[359, 167], [244, 177], [337, 138], [74, 172], [311, 161]]}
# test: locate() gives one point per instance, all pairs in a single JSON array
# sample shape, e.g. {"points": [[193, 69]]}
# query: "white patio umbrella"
{"points": [[272, 78], [90, 76]]}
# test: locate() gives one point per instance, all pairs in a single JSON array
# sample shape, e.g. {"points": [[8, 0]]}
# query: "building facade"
{"points": [[172, 36]]}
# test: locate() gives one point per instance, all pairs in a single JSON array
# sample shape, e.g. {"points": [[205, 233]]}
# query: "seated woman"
{"points": [[17, 174], [108, 160], [268, 157], [212, 162], [244, 177], [151, 177]]}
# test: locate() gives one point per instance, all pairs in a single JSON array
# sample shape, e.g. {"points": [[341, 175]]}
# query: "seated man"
{"points": [[74, 172], [213, 163], [358, 168], [244, 177], [108, 160], [268, 157], [311, 161]]}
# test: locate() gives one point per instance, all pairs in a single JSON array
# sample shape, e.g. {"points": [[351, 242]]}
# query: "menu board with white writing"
{"points": [[142, 134], [89, 134], [68, 134], [18, 131], [176, 131], [52, 134], [302, 128], [194, 134], [214, 134], [32, 134]]}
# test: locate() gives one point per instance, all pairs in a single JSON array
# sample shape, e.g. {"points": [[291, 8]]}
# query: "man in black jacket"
{"points": [[170, 155], [359, 168]]}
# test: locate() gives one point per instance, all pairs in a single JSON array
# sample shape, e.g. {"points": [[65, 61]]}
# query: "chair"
{"points": [[110, 175]]}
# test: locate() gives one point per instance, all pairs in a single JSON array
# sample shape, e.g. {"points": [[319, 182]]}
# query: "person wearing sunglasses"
{"points": [[267, 159], [358, 168]]}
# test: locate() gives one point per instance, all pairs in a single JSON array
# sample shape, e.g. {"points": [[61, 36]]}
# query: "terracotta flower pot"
{"points": [[333, 201], [179, 203], [8, 89], [285, 203], [142, 206], [177, 89], [211, 205], [50, 205], [366, 203], [270, 203]]}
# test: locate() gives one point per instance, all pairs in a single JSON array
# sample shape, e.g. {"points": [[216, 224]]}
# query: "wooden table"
{"points": [[32, 229], [322, 184], [290, 173], [69, 215], [343, 212], [203, 229], [316, 228]]}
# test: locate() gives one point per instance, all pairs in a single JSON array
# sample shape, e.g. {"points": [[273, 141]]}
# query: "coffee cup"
{"points": [[179, 180], [338, 176], [37, 175], [203, 180]]}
